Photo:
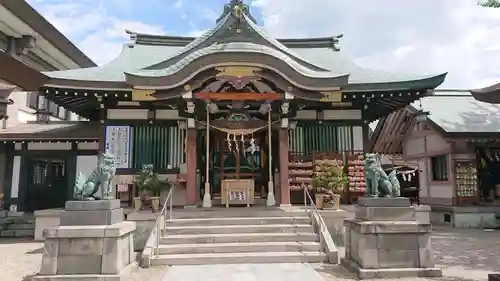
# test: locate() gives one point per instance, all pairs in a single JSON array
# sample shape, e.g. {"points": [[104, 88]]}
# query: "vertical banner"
{"points": [[118, 143]]}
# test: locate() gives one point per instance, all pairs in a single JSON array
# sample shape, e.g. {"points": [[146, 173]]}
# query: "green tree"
{"points": [[490, 3]]}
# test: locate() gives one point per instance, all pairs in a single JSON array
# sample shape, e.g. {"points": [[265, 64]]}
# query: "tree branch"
{"points": [[490, 3]]}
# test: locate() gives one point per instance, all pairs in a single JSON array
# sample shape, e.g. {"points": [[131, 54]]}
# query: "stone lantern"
{"points": [[5, 91]]}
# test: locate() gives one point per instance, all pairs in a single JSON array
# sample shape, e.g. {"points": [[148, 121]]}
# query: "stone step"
{"points": [[240, 247], [18, 226], [16, 220], [227, 229], [239, 238], [18, 233], [235, 212], [240, 221], [233, 258]]}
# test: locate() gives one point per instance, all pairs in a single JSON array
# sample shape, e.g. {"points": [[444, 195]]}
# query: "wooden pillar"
{"points": [[366, 138], [191, 166], [271, 197], [9, 173], [191, 157], [284, 198], [102, 128], [283, 154]]}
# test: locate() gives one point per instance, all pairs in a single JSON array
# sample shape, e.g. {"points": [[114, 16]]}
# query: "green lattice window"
{"points": [[160, 145]]}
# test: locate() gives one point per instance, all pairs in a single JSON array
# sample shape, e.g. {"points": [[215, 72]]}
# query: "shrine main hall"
{"points": [[229, 110]]}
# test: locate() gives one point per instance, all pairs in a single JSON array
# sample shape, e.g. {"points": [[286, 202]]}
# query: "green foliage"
{"points": [[329, 177], [490, 3], [148, 180]]}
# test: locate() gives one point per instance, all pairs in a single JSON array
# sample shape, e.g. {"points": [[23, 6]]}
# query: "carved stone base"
{"points": [[92, 243], [389, 273], [99, 212], [207, 200], [386, 239], [78, 277], [270, 201]]}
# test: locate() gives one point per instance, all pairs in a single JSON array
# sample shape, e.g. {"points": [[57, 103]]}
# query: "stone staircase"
{"points": [[281, 237], [22, 226]]}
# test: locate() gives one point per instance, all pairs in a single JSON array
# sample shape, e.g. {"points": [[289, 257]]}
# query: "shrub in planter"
{"points": [[147, 185], [157, 186], [328, 181]]}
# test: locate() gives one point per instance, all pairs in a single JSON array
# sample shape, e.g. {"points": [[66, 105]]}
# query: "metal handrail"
{"points": [[313, 207], [160, 228]]}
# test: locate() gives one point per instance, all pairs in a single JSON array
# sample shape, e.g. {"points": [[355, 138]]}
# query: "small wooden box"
{"points": [[238, 192]]}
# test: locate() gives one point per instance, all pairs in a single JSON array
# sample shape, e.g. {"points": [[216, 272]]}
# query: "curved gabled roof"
{"points": [[242, 53], [131, 58], [234, 47], [153, 56], [137, 56], [490, 94]]}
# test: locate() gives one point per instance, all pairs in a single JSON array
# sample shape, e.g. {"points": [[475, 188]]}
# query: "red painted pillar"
{"points": [[283, 154], [191, 166]]}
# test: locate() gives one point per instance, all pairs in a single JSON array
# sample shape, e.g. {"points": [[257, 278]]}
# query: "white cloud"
{"points": [[406, 35], [178, 4], [91, 26], [426, 36]]}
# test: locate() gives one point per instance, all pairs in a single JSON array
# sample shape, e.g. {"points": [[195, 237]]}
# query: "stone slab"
{"points": [[244, 272], [94, 205], [114, 230], [384, 202], [377, 227], [390, 272], [93, 217], [385, 213], [84, 277]]}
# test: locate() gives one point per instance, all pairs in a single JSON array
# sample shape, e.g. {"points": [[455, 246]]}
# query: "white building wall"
{"points": [[421, 146]]}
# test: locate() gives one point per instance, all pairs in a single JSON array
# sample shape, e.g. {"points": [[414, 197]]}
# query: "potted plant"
{"points": [[335, 193], [156, 187], [143, 187], [328, 182]]}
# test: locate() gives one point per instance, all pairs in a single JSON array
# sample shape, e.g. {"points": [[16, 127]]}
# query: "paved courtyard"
{"points": [[464, 254]]}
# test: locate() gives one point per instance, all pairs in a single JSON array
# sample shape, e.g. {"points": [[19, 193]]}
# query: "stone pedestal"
{"points": [[387, 239], [92, 243]]}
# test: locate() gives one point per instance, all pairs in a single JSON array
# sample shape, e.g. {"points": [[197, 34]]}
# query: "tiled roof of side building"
{"points": [[459, 112], [45, 29], [53, 130]]}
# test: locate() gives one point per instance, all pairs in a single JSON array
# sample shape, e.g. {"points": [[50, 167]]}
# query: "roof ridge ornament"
{"points": [[238, 8], [335, 41]]}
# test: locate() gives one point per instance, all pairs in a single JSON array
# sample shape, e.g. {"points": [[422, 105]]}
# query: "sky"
{"points": [[411, 36]]}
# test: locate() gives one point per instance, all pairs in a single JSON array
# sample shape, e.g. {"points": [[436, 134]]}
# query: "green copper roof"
{"points": [[236, 47], [195, 44], [337, 61], [132, 58], [235, 32], [136, 57], [277, 44]]}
